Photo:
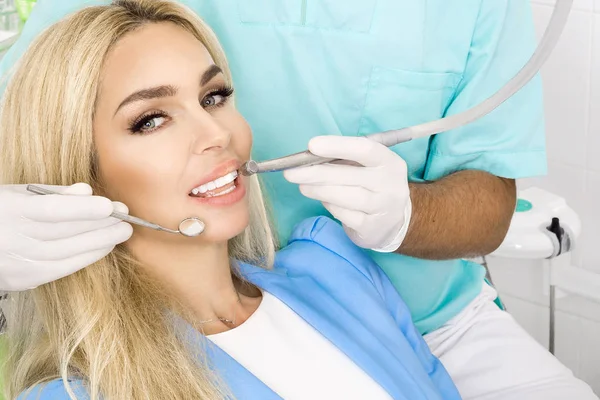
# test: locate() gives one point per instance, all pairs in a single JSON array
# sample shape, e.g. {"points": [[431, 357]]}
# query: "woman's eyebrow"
{"points": [[147, 94], [210, 73], [167, 90]]}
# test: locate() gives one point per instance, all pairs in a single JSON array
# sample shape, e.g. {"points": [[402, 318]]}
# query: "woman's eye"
{"points": [[212, 100], [217, 98], [152, 123], [148, 123]]}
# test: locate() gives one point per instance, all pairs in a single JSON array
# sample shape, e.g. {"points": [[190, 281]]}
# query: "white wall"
{"points": [[572, 96]]}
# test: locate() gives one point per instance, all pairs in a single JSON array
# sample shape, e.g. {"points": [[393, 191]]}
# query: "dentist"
{"points": [[345, 69]]}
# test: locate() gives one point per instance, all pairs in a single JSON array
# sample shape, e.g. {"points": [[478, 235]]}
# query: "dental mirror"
{"points": [[189, 227]]}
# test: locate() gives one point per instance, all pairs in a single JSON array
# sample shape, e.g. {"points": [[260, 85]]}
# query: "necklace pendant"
{"points": [[227, 321]]}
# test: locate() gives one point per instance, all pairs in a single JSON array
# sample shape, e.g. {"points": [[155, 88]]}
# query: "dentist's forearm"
{"points": [[463, 215]]}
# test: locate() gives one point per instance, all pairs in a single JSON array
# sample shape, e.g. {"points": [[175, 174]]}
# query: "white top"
{"points": [[293, 359]]}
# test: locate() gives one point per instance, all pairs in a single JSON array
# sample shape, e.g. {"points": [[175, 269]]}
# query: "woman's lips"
{"points": [[225, 170]]}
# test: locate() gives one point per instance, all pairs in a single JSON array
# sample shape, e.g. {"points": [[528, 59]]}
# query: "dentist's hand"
{"points": [[372, 200], [45, 238]]}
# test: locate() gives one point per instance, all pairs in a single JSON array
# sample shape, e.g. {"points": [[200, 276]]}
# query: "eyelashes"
{"points": [[154, 120], [224, 93]]}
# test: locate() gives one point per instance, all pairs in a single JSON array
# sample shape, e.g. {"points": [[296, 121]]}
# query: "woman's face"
{"points": [[168, 136]]}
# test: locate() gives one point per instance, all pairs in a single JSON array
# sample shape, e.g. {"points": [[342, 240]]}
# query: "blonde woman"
{"points": [[135, 98]]}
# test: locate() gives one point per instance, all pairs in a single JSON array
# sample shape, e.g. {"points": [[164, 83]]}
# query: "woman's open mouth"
{"points": [[224, 191], [219, 187]]}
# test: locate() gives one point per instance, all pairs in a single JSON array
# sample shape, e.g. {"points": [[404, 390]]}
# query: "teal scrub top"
{"points": [[304, 68]]}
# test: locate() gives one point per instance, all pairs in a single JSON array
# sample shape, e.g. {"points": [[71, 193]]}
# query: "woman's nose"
{"points": [[210, 135]]}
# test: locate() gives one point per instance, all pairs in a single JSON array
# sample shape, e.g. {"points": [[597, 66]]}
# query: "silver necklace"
{"points": [[224, 320]]}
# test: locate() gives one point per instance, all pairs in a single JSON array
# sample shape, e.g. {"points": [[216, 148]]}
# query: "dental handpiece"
{"points": [[394, 137], [306, 158], [189, 227]]}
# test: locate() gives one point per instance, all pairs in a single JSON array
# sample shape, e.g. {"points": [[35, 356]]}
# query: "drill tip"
{"points": [[249, 168]]}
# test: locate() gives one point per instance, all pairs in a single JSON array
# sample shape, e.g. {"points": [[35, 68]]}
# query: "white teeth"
{"points": [[231, 189], [222, 182], [217, 183]]}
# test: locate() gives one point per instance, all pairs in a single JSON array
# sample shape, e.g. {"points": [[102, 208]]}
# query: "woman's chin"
{"points": [[218, 230], [221, 234]]}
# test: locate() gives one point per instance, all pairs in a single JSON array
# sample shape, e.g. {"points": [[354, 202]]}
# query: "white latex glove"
{"points": [[371, 200], [44, 238]]}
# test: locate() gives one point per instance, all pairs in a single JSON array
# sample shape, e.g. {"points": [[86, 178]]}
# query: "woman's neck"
{"points": [[200, 279]]}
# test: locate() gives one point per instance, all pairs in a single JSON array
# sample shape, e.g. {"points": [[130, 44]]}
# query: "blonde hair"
{"points": [[105, 324]]}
